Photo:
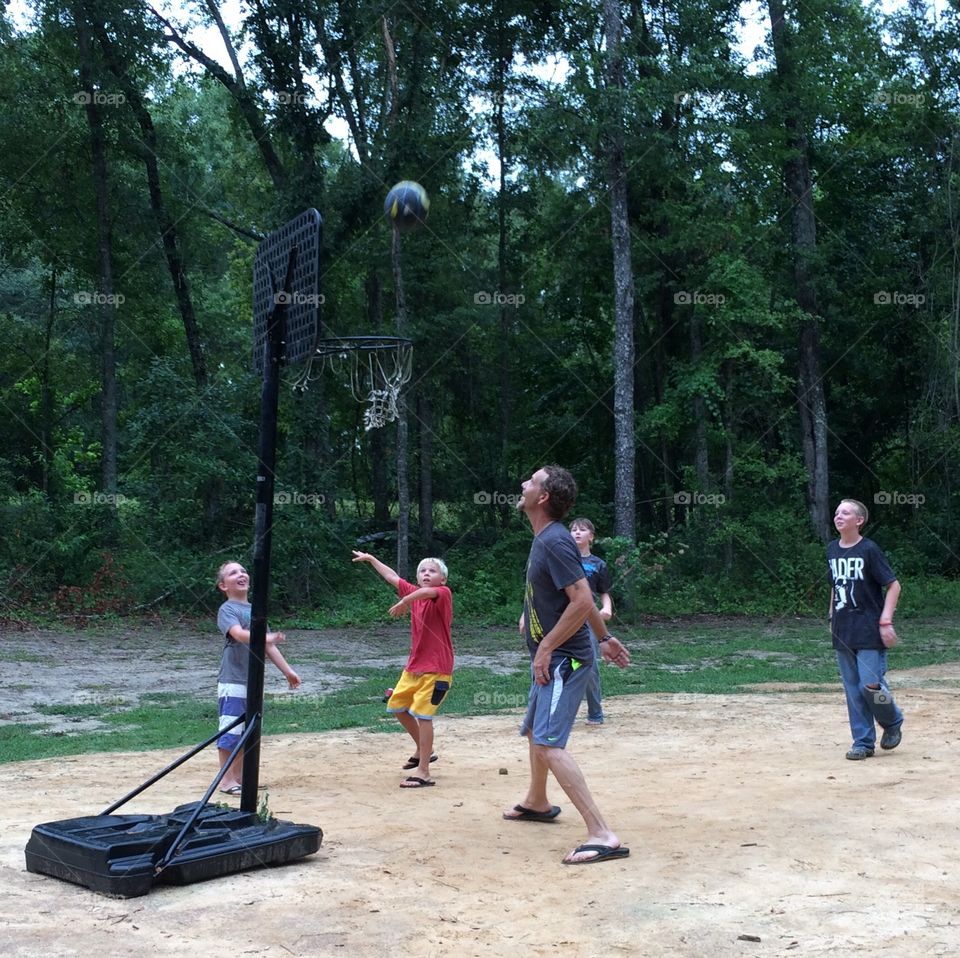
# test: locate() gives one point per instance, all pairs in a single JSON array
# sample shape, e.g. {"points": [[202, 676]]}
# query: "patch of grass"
{"points": [[700, 656], [22, 656]]}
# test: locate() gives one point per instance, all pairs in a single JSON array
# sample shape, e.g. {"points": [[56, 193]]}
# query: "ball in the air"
{"points": [[406, 205]]}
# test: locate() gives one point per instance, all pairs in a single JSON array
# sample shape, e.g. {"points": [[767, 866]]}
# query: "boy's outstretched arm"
{"points": [[384, 570], [424, 592]]}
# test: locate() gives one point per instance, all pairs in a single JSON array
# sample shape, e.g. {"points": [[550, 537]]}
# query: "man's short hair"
{"points": [[561, 489]]}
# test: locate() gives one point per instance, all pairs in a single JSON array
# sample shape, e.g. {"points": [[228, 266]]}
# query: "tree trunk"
{"points": [[701, 458], [378, 442], [624, 521], [105, 299], [403, 483], [46, 390], [165, 223], [425, 418], [503, 60], [799, 186]]}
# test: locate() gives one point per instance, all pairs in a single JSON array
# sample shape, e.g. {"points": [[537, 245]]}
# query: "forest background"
{"points": [[721, 285]]}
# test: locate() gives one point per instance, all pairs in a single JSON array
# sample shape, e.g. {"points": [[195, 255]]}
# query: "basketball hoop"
{"points": [[377, 368]]}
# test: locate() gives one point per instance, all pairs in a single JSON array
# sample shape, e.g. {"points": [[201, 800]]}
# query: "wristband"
{"points": [[605, 638]]}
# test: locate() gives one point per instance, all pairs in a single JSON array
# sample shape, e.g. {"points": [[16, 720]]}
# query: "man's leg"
{"points": [[536, 798], [570, 778]]}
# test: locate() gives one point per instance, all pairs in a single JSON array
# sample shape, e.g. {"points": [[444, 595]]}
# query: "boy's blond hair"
{"points": [[439, 563], [860, 508], [220, 570]]}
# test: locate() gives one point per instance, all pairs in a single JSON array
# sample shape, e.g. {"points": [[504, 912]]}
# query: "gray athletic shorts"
{"points": [[552, 708]]}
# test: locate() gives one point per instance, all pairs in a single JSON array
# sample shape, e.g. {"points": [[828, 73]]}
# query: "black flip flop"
{"points": [[532, 815], [413, 761], [604, 853]]}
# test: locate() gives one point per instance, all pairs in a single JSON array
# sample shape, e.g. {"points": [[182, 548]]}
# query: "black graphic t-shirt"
{"points": [[597, 573], [554, 564], [858, 575]]}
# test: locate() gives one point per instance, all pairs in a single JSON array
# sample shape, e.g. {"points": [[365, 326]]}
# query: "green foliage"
{"points": [[509, 384]]}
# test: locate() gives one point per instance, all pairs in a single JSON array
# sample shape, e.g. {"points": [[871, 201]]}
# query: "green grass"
{"points": [[709, 656]]}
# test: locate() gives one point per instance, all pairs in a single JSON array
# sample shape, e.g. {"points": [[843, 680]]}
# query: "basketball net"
{"points": [[376, 367]]}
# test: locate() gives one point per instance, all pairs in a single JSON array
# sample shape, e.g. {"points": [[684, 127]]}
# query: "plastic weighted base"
{"points": [[118, 854]]}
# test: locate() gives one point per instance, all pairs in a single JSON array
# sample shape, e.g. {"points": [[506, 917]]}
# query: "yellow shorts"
{"points": [[420, 695]]}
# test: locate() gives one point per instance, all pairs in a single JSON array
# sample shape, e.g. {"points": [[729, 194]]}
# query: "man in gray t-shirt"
{"points": [[557, 603]]}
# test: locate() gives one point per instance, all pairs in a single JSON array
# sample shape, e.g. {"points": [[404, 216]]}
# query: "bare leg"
{"points": [[234, 772], [570, 778], [536, 798], [412, 725], [425, 751]]}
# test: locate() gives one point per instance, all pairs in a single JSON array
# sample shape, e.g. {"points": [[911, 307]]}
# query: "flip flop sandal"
{"points": [[414, 761]]}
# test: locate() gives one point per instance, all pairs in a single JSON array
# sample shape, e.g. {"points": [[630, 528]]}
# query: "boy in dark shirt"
{"points": [[861, 624]]}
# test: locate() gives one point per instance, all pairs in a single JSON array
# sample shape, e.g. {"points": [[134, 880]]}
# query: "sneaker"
{"points": [[890, 738], [591, 721], [859, 752]]}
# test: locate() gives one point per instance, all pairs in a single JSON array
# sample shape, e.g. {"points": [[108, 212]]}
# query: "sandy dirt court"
{"points": [[749, 834]]}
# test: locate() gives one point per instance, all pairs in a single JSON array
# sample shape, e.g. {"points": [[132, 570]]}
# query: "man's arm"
{"points": [[424, 592], [612, 649], [384, 570], [574, 615]]}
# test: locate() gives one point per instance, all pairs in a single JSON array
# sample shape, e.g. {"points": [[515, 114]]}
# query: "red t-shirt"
{"points": [[431, 648]]}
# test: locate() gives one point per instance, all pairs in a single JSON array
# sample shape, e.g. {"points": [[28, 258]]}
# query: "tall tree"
{"points": [[798, 181], [624, 517]]}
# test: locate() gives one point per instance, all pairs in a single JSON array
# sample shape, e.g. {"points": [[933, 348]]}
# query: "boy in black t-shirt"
{"points": [[861, 624], [599, 579]]}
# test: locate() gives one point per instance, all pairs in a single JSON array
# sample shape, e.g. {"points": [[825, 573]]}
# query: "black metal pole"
{"points": [[263, 528]]}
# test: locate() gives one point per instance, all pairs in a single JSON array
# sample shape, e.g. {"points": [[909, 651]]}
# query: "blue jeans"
{"points": [[593, 692], [858, 669]]}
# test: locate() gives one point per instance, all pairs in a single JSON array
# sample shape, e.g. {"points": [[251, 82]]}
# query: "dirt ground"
{"points": [[749, 834]]}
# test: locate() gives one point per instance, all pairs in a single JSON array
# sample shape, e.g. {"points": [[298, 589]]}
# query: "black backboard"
{"points": [[303, 299]]}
